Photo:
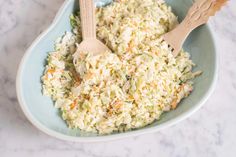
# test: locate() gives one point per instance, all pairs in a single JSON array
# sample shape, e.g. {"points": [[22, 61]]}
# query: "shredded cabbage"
{"points": [[129, 87]]}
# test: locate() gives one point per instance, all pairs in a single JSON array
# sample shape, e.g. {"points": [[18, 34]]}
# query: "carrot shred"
{"points": [[72, 106], [174, 103], [51, 71]]}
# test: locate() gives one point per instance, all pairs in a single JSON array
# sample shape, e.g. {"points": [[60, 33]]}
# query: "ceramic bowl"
{"points": [[40, 111]]}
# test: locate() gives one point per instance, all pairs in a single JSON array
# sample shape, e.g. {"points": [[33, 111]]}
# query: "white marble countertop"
{"points": [[211, 132]]}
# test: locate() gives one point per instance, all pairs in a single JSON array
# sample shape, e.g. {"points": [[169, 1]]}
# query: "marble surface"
{"points": [[211, 132]]}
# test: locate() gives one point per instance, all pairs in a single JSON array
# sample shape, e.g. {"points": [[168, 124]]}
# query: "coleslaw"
{"points": [[129, 87]]}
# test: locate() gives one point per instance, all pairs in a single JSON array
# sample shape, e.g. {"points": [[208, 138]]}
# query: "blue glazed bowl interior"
{"points": [[41, 109]]}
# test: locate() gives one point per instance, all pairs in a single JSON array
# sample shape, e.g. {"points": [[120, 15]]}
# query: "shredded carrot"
{"points": [[51, 71], [88, 76], [46, 77], [72, 106], [181, 88], [130, 98], [174, 104], [130, 46], [82, 55], [145, 29], [117, 104]]}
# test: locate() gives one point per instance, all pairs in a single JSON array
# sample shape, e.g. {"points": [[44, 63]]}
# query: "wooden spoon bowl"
{"points": [[88, 25]]}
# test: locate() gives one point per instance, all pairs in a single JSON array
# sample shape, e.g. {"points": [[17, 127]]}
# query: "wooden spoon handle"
{"points": [[197, 15], [200, 12], [88, 21]]}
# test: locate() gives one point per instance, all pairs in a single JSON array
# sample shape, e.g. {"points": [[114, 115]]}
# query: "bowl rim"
{"points": [[110, 137]]}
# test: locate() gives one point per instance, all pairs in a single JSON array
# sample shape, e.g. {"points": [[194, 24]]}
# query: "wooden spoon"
{"points": [[88, 25], [197, 15]]}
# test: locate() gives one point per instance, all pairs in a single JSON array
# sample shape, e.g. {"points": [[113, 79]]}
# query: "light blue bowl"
{"points": [[40, 111]]}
